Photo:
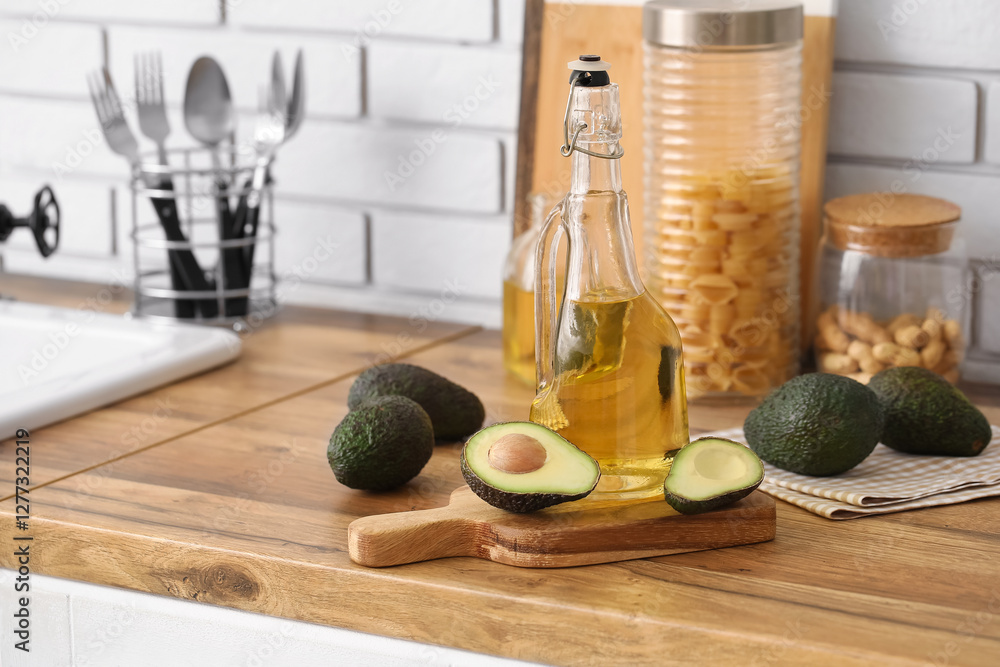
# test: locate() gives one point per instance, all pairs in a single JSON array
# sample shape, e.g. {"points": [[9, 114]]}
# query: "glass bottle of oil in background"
{"points": [[610, 373], [519, 296]]}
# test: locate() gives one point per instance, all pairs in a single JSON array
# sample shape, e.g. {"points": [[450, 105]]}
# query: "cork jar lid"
{"points": [[885, 224]]}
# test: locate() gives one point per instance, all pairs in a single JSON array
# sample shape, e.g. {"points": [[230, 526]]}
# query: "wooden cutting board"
{"points": [[578, 533]]}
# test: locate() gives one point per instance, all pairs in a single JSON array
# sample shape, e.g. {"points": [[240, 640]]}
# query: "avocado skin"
{"points": [[382, 444], [688, 506], [926, 414], [817, 424], [519, 503], [455, 411]]}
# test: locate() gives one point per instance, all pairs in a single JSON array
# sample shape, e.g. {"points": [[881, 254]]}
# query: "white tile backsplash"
{"points": [[179, 12], [901, 117], [320, 243], [428, 83], [366, 20], [418, 167], [439, 255], [333, 80], [54, 139], [991, 120], [959, 33], [28, 57]]}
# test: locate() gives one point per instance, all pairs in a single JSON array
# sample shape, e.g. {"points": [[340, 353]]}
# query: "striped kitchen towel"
{"points": [[887, 481]]}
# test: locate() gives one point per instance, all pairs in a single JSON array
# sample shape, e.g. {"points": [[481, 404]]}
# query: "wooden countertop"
{"points": [[229, 500]]}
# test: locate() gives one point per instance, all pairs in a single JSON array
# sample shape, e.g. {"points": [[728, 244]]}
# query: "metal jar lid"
{"points": [[721, 23]]}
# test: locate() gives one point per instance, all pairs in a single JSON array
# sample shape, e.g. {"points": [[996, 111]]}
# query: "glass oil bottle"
{"points": [[609, 367], [519, 296]]}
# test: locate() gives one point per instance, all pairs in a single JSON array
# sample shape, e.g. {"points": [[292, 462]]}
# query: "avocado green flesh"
{"points": [[817, 424], [926, 414], [710, 473], [567, 473]]}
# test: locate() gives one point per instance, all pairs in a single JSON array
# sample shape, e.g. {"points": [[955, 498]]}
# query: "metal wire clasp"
{"points": [[569, 145]]}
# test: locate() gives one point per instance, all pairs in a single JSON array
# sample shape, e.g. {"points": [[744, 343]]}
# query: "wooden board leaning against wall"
{"points": [[557, 32]]}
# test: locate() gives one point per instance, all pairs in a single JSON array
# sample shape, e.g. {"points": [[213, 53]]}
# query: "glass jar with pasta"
{"points": [[722, 104], [894, 286]]}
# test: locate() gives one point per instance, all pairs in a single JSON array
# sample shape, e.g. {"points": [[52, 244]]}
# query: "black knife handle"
{"points": [[191, 275]]}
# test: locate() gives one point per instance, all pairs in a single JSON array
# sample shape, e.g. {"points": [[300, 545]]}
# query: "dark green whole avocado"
{"points": [[455, 411], [926, 414], [523, 467], [382, 444], [817, 424], [710, 473]]}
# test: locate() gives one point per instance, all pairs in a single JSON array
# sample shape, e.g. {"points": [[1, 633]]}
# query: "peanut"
{"points": [[934, 329], [906, 357], [871, 365], [900, 321], [932, 354], [859, 350], [885, 352], [911, 336], [863, 378], [953, 334], [834, 362]]}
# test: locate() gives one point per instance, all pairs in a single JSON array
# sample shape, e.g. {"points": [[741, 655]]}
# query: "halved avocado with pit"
{"points": [[522, 467], [710, 473]]}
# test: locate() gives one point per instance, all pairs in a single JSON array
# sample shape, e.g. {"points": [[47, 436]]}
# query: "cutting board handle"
{"points": [[409, 537]]}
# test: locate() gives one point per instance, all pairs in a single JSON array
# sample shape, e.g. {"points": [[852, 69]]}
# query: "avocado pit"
{"points": [[517, 453]]}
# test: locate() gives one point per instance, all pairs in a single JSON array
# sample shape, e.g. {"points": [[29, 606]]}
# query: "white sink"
{"points": [[56, 363]]}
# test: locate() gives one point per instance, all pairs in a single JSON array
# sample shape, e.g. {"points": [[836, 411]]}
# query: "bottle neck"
{"points": [[591, 174]]}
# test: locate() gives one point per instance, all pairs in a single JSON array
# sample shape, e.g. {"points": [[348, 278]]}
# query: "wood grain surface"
{"points": [[280, 358], [247, 514], [579, 533]]}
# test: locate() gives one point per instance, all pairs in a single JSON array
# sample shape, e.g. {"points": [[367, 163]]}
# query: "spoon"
{"points": [[210, 118]]}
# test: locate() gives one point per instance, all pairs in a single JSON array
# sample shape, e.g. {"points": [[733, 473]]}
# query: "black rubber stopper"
{"points": [[589, 79]]}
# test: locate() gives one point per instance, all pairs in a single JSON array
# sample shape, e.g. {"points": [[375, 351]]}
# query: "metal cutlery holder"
{"points": [[197, 190]]}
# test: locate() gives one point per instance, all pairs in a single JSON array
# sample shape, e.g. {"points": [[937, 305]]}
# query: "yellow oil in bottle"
{"points": [[618, 391], [519, 331]]}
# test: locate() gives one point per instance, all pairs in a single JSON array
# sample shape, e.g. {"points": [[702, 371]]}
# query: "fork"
{"points": [[154, 124], [122, 141], [149, 101]]}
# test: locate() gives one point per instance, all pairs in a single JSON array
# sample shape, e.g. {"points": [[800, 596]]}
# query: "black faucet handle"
{"points": [[44, 221]]}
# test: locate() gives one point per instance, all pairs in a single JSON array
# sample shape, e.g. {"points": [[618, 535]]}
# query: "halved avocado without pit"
{"points": [[522, 467], [710, 473]]}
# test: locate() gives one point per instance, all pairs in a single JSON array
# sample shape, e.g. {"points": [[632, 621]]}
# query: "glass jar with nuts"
{"points": [[893, 286]]}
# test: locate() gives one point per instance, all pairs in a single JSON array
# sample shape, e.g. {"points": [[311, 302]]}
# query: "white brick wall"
{"points": [[368, 20], [333, 76], [898, 117], [28, 64], [930, 33], [992, 123], [435, 254], [387, 161], [179, 12], [432, 83], [916, 106]]}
